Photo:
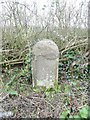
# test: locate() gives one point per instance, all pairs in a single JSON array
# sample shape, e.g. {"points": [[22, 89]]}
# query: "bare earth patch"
{"points": [[37, 105]]}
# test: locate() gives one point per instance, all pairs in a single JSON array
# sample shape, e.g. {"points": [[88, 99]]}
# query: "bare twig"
{"points": [[12, 61], [2, 98]]}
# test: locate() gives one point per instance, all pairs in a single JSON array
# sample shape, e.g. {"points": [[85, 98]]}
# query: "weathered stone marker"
{"points": [[45, 63]]}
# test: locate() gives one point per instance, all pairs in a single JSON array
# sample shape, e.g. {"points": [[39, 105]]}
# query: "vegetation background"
{"points": [[22, 25]]}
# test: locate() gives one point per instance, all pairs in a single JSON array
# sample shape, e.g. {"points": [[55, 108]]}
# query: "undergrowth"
{"points": [[18, 80]]}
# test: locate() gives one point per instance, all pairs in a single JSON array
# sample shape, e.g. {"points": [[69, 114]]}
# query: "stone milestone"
{"points": [[45, 63]]}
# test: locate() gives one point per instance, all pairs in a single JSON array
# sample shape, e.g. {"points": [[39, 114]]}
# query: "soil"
{"points": [[37, 105]]}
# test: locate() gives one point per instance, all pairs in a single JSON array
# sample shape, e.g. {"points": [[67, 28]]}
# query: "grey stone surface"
{"points": [[45, 63], [6, 114]]}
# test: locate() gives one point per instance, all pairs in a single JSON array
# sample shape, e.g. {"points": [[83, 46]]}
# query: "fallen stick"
{"points": [[12, 61], [73, 47]]}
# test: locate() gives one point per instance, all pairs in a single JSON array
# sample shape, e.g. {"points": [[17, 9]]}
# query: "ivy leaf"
{"points": [[65, 114], [71, 116], [13, 92], [77, 116], [84, 112]]}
